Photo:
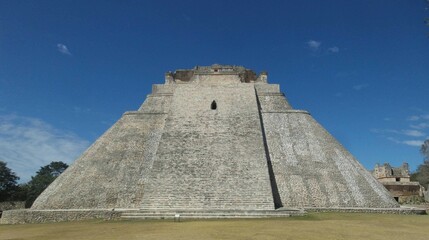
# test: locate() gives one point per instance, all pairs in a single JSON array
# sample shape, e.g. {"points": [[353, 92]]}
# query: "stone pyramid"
{"points": [[215, 138]]}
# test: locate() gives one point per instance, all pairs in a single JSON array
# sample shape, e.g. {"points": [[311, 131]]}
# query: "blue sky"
{"points": [[69, 69]]}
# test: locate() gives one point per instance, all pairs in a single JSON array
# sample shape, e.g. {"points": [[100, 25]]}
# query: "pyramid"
{"points": [[216, 138]]}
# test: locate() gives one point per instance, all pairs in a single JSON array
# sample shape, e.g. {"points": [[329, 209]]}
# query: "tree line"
{"points": [[10, 190]]}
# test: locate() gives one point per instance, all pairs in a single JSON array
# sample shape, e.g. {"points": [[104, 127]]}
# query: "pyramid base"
{"points": [[56, 215], [210, 214], [400, 210], [23, 216]]}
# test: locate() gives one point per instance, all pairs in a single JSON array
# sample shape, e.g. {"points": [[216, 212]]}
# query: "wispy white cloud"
{"points": [[418, 117], [416, 131], [360, 86], [334, 49], [314, 45], [63, 49], [413, 133], [420, 125], [26, 144], [407, 132], [413, 143], [413, 118], [420, 122]]}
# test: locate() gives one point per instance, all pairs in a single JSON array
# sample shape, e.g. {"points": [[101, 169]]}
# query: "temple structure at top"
{"points": [[199, 74]]}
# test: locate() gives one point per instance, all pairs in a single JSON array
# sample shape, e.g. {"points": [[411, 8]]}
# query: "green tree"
{"points": [[45, 176], [8, 184], [422, 173], [425, 150]]}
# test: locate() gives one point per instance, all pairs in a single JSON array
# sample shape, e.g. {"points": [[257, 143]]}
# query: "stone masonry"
{"points": [[215, 138], [397, 181]]}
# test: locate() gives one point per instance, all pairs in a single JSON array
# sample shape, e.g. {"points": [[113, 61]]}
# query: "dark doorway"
{"points": [[214, 105]]}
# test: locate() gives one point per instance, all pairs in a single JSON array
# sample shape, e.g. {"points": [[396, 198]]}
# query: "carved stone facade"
{"points": [[397, 181], [220, 139], [199, 74]]}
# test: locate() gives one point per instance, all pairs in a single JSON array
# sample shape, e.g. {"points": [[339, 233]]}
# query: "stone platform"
{"points": [[400, 210], [23, 216], [210, 214], [63, 215]]}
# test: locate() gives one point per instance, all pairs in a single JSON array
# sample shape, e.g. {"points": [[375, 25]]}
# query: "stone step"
{"points": [[218, 204], [202, 217], [166, 210], [204, 214], [208, 213]]}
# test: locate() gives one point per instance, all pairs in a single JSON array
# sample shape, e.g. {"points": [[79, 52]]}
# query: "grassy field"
{"points": [[313, 226]]}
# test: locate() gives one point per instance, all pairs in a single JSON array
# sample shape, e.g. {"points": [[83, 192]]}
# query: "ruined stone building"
{"points": [[216, 141], [397, 181]]}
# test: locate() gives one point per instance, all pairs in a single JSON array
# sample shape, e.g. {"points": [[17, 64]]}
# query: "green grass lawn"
{"points": [[312, 226]]}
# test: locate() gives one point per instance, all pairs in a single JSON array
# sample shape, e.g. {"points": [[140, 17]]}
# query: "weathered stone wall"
{"points": [[402, 211], [42, 216], [404, 189], [270, 98], [159, 100], [9, 205], [112, 172], [216, 79], [210, 159], [405, 192], [312, 169], [387, 173]]}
